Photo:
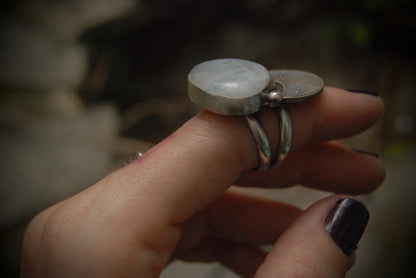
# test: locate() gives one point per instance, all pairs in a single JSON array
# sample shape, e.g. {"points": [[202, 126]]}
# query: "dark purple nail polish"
{"points": [[366, 152], [346, 224], [359, 91]]}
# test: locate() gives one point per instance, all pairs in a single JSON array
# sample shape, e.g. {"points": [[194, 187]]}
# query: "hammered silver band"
{"points": [[266, 159]]}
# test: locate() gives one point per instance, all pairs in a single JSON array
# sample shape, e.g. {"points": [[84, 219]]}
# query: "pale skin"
{"points": [[177, 201]]}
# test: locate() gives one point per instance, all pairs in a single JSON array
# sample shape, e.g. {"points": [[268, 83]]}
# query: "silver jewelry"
{"points": [[132, 158], [240, 87], [260, 137]]}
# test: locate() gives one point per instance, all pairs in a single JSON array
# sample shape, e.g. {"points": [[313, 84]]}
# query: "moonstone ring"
{"points": [[236, 87]]}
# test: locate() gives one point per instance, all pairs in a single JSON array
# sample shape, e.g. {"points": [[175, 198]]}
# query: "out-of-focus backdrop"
{"points": [[86, 83]]}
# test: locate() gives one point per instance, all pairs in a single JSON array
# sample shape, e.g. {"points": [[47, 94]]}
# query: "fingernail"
{"points": [[359, 91], [366, 152], [346, 224]]}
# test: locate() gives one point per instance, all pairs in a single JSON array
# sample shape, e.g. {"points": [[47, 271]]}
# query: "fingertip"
{"points": [[374, 177], [368, 102], [346, 223], [372, 95], [321, 242]]}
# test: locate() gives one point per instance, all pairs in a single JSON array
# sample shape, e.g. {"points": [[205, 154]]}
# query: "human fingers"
{"points": [[232, 230], [335, 106], [320, 243], [143, 206], [240, 216], [198, 162], [326, 166], [242, 258]]}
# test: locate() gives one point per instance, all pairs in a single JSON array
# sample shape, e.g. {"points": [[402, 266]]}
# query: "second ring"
{"points": [[267, 159]]}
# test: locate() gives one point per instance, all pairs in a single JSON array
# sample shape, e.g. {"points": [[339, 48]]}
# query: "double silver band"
{"points": [[266, 159]]}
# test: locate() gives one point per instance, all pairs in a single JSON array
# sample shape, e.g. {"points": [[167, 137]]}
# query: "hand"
{"points": [[176, 201]]}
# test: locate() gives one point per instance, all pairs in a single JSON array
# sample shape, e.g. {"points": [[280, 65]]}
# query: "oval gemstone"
{"points": [[231, 78]]}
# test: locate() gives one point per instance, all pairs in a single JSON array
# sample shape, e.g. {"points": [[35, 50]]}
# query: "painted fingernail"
{"points": [[366, 152], [346, 224], [366, 92]]}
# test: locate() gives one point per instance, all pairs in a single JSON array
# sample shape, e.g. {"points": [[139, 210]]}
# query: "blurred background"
{"points": [[86, 83]]}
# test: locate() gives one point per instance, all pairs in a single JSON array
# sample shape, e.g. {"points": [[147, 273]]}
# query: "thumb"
{"points": [[320, 242]]}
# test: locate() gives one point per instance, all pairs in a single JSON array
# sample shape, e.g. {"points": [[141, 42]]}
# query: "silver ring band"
{"points": [[262, 142], [285, 142], [266, 161]]}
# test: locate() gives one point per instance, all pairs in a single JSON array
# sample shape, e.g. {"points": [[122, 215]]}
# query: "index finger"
{"points": [[195, 165]]}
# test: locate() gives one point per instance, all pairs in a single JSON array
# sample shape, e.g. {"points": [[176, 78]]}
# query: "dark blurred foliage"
{"points": [[145, 43], [148, 53], [378, 24]]}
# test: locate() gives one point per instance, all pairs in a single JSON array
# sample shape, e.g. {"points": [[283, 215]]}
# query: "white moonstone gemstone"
{"points": [[231, 78]]}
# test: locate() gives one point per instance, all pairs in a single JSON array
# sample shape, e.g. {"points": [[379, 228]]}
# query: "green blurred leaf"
{"points": [[397, 151], [360, 33]]}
